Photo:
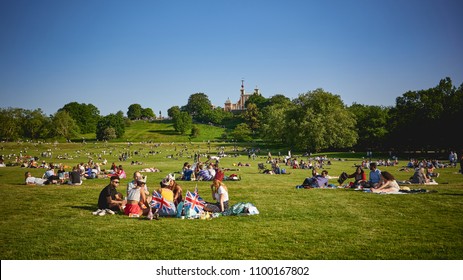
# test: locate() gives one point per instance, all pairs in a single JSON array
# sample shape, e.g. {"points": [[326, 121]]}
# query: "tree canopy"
{"points": [[85, 115]]}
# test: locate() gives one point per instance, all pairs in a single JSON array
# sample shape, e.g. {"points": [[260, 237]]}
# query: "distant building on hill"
{"points": [[239, 106]]}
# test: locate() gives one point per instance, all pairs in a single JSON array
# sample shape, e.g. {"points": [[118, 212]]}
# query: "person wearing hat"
{"points": [[136, 197], [169, 183]]}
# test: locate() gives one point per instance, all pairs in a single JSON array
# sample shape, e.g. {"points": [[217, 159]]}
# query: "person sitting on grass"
{"points": [[187, 171], [219, 194], [388, 184], [419, 177], [359, 177], [107, 201], [136, 198], [375, 176], [203, 174], [50, 175], [74, 177], [169, 183]]}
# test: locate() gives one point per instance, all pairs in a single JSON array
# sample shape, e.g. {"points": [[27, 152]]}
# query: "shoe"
{"points": [[134, 215], [97, 212], [150, 215], [102, 213], [109, 211]]}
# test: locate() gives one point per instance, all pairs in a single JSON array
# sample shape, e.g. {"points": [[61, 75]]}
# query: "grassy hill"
{"points": [[164, 132]]}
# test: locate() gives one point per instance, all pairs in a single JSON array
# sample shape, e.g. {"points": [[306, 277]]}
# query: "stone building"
{"points": [[239, 105]]}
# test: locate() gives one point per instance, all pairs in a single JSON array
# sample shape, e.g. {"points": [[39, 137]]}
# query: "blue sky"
{"points": [[157, 53]]}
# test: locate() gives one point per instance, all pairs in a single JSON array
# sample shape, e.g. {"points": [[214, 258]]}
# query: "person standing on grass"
{"points": [[107, 202]]}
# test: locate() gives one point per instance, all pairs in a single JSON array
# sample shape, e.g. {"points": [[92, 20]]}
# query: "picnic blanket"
{"points": [[405, 183], [407, 190]]}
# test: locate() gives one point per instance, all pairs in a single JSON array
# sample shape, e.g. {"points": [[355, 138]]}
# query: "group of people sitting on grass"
{"points": [[51, 177], [167, 200], [378, 181], [57, 174], [205, 171]]}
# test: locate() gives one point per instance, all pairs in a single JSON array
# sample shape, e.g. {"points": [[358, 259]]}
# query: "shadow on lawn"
{"points": [[90, 207]]}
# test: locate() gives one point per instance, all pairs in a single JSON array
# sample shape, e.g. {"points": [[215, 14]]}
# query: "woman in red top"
{"points": [[359, 176]]}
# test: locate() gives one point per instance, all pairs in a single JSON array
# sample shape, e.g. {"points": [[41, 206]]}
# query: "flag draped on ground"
{"points": [[194, 201], [160, 203]]}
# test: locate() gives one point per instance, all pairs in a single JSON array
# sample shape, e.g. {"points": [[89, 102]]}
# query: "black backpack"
{"points": [[342, 178]]}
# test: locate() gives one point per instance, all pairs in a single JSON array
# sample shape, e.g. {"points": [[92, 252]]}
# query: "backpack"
{"points": [[342, 177]]}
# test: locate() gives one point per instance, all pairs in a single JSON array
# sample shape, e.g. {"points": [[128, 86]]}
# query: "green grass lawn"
{"points": [[55, 221], [163, 131]]}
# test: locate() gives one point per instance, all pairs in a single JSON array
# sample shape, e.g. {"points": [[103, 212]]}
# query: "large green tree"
{"points": [[115, 121], [198, 106], [10, 123], [85, 115], [253, 116], [172, 111], [36, 125], [242, 132], [258, 100], [418, 114], [182, 122], [63, 125], [134, 112], [147, 113], [320, 120], [372, 124], [273, 126]]}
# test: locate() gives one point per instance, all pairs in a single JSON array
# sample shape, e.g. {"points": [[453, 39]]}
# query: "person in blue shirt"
{"points": [[375, 176]]}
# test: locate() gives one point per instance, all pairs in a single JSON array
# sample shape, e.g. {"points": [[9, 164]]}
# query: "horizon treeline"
{"points": [[314, 121]]}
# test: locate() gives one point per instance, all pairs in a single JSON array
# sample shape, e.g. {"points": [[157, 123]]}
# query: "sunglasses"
{"points": [[117, 182]]}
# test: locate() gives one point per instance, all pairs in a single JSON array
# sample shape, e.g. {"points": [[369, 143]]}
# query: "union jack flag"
{"points": [[160, 203], [194, 201]]}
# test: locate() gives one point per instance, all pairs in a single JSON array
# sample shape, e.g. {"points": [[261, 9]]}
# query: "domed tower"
{"points": [[228, 105]]}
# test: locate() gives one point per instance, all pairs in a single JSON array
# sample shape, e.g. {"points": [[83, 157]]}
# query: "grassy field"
{"points": [[162, 131], [55, 221]]}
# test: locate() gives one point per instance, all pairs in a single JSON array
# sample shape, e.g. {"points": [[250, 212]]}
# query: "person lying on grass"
{"points": [[317, 181], [29, 180]]}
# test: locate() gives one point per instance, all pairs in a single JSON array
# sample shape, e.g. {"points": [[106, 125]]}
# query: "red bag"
{"points": [[219, 175]]}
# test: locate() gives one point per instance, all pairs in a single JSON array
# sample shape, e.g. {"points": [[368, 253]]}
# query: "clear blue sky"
{"points": [[157, 53]]}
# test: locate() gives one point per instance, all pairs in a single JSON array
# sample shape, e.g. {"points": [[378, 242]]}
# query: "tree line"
{"points": [[314, 121], [318, 120]]}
